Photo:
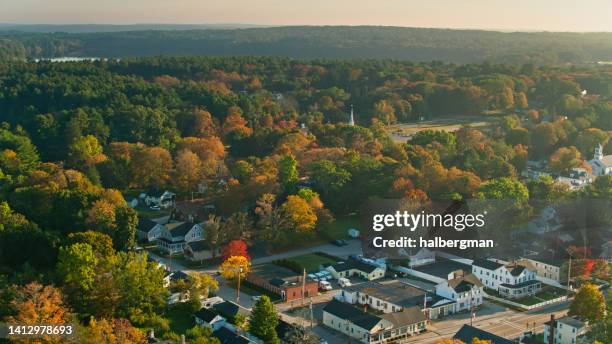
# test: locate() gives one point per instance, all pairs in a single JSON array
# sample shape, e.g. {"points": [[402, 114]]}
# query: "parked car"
{"points": [[256, 298], [155, 207], [325, 286], [344, 282], [339, 242]]}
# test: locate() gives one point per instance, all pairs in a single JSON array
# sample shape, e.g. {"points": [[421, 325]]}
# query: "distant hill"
{"points": [[89, 28], [417, 44]]}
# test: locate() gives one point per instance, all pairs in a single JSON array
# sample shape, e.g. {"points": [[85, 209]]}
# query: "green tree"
{"points": [[588, 303], [287, 172], [263, 321], [76, 265], [124, 237], [140, 285], [85, 150]]}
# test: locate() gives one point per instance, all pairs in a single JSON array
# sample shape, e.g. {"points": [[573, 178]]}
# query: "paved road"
{"points": [[498, 320], [353, 247]]}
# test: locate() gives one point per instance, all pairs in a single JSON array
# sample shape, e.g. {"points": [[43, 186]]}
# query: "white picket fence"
{"points": [[522, 306]]}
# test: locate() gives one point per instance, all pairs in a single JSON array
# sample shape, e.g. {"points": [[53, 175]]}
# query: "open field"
{"points": [[403, 132]]}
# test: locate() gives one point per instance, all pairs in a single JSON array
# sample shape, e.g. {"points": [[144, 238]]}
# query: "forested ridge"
{"points": [[417, 44], [267, 139]]}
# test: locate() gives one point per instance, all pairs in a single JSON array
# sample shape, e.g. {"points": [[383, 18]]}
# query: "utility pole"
{"points": [[303, 286], [569, 272], [238, 290]]}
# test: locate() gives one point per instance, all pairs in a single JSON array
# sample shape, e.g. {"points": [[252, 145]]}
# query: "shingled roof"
{"points": [[347, 312]]}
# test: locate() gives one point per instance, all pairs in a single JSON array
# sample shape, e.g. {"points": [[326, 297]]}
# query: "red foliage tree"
{"points": [[235, 248]]}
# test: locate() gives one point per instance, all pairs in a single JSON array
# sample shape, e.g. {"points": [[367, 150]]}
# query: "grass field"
{"points": [[339, 228], [402, 132], [312, 261]]}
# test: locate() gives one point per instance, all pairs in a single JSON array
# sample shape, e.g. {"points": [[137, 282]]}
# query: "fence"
{"points": [[522, 306]]}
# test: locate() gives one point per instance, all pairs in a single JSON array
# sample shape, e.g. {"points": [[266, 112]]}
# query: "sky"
{"points": [[531, 15]]}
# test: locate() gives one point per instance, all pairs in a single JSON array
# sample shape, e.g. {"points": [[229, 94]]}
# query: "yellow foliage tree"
{"points": [[300, 213], [235, 266]]}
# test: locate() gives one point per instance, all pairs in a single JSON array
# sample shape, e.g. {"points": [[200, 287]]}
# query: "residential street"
{"points": [[493, 318]]}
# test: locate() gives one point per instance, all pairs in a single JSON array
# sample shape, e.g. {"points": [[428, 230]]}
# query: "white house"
{"points": [[466, 291], [148, 230], [208, 318], [602, 165], [546, 267], [160, 198], [565, 330], [175, 236], [395, 296], [512, 281], [369, 328], [357, 268], [200, 250]]}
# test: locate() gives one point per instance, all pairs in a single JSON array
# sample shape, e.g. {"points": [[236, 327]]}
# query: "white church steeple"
{"points": [[598, 152], [352, 117]]}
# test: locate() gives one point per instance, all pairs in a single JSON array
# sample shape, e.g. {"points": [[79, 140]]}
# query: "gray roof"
{"points": [[487, 264], [467, 333], [180, 229], [205, 314], [356, 316], [571, 321], [407, 316], [395, 292], [515, 270], [145, 225], [354, 264], [227, 336], [200, 245], [443, 268]]}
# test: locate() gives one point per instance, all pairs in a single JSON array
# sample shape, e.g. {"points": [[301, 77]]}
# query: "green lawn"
{"points": [[312, 261], [180, 318], [339, 228], [147, 213], [528, 301]]}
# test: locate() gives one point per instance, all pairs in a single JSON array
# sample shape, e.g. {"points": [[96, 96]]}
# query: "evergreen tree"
{"points": [[264, 320]]}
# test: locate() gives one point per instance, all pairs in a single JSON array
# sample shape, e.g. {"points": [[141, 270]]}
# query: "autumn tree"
{"points": [[237, 226], [588, 303], [235, 266], [212, 230], [188, 171], [37, 304], [564, 159], [85, 150], [300, 214], [385, 112], [235, 126], [271, 222], [150, 166], [113, 331], [235, 248]]}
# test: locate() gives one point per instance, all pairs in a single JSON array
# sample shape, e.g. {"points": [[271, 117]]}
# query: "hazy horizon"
{"points": [[520, 15]]}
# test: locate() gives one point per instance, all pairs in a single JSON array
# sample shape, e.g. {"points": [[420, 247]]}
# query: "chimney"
{"points": [[552, 328]]}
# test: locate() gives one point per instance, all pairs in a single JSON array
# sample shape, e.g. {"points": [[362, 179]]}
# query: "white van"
{"points": [[325, 286], [344, 282]]}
